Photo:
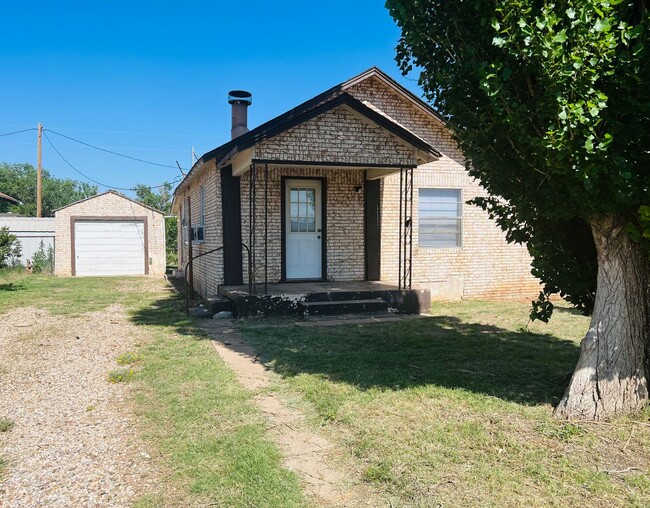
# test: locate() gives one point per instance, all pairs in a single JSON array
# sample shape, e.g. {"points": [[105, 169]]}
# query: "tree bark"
{"points": [[612, 372]]}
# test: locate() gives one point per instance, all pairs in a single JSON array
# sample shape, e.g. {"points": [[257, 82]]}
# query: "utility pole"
{"points": [[39, 169]]}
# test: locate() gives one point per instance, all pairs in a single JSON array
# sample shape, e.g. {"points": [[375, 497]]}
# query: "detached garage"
{"points": [[109, 234]]}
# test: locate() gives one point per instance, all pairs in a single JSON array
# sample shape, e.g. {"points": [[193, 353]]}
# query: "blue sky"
{"points": [[150, 79]]}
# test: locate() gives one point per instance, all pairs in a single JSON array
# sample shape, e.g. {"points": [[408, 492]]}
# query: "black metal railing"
{"points": [[189, 288]]}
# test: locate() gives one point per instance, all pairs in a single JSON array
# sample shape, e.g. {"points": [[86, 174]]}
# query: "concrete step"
{"points": [[336, 296], [218, 303], [320, 308]]}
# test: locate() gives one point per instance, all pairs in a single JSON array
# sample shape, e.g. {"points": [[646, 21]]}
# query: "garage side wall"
{"points": [[107, 206]]}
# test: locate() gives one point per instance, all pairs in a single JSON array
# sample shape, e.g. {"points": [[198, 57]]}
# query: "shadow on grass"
{"points": [[521, 367], [11, 286], [444, 351], [169, 311]]}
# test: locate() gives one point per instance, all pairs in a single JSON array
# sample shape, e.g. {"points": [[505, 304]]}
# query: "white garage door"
{"points": [[109, 248]]}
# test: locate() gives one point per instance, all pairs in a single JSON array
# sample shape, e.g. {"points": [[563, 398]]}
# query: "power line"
{"points": [[111, 151], [144, 133], [93, 180], [18, 132]]}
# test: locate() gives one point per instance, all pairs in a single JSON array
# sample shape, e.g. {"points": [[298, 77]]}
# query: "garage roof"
{"points": [[110, 192]]}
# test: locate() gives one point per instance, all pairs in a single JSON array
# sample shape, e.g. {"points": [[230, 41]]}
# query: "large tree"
{"points": [[550, 103], [19, 181]]}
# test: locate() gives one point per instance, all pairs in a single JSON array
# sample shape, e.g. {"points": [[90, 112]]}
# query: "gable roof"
{"points": [[301, 114], [405, 92], [109, 192], [319, 104]]}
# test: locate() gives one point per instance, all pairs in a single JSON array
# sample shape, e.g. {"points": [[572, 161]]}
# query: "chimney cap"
{"points": [[240, 97]]}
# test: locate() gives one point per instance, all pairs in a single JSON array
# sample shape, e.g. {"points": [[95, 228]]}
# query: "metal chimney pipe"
{"points": [[240, 100]]}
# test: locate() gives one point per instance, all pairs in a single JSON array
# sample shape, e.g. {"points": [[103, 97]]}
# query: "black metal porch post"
{"points": [[266, 228], [252, 212], [399, 239], [409, 225]]}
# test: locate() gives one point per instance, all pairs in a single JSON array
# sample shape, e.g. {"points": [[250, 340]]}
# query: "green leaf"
{"points": [[602, 25], [560, 37], [571, 13]]}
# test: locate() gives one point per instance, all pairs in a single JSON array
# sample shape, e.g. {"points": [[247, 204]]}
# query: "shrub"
{"points": [[10, 248], [42, 260]]}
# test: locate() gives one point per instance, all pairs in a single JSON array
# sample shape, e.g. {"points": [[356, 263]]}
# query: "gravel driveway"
{"points": [[74, 442]]}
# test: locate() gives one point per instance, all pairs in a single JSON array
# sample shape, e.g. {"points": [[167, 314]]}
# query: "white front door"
{"points": [[303, 229]]}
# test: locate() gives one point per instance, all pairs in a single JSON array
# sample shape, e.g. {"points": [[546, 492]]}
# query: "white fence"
{"points": [[31, 231]]}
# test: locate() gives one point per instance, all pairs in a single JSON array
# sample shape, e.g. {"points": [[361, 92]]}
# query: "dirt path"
{"points": [[73, 442], [315, 459]]}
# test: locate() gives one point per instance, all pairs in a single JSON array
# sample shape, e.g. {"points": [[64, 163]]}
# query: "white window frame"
{"points": [[184, 225], [458, 217], [198, 232]]}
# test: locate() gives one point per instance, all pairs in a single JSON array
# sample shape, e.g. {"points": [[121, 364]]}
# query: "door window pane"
{"points": [[302, 210]]}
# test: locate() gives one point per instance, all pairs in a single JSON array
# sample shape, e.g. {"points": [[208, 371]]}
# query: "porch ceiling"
{"points": [[241, 164]]}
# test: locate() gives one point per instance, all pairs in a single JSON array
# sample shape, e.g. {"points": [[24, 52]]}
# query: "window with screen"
{"points": [[439, 218]]}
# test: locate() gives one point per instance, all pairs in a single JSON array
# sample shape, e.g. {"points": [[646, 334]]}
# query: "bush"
{"points": [[9, 248], [43, 261], [171, 238]]}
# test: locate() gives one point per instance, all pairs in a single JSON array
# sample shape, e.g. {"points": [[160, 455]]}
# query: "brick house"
{"points": [[361, 183]]}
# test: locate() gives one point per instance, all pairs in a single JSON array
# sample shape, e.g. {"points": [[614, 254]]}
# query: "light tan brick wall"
{"points": [[485, 266], [338, 135], [208, 270], [109, 205], [345, 215]]}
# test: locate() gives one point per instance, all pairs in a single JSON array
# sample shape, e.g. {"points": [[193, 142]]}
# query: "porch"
{"points": [[319, 298]]}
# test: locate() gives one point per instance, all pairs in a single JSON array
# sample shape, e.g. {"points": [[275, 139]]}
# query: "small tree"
{"points": [[550, 104], [9, 248], [161, 199], [43, 259], [171, 239]]}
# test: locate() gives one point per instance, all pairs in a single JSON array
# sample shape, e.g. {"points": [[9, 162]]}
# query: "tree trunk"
{"points": [[612, 373]]}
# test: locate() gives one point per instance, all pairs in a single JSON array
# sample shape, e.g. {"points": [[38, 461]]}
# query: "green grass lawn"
{"points": [[206, 437], [452, 410], [455, 410]]}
